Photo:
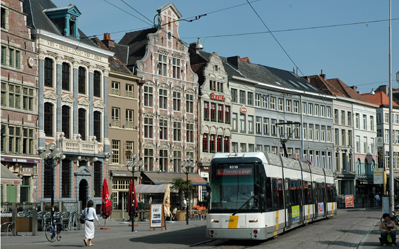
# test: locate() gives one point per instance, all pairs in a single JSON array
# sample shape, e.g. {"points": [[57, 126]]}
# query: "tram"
{"points": [[258, 195]]}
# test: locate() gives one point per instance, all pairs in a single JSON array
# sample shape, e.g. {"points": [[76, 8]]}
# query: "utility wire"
{"points": [[274, 37], [136, 10], [128, 12]]}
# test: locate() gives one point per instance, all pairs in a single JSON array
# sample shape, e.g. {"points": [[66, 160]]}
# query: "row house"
{"points": [[19, 110], [123, 106], [73, 96], [168, 118]]}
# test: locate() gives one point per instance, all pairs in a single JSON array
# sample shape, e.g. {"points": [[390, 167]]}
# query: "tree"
{"points": [[180, 185]]}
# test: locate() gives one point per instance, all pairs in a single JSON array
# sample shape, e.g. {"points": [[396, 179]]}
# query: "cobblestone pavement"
{"points": [[350, 229]]}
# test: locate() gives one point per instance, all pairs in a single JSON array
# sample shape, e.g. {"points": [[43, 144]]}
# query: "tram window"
{"points": [[315, 192], [275, 194], [306, 189], [278, 201], [293, 192], [268, 193], [299, 192], [323, 191]]}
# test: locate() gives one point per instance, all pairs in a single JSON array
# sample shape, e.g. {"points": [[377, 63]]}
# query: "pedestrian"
{"points": [[387, 227], [184, 204], [377, 200], [90, 214]]}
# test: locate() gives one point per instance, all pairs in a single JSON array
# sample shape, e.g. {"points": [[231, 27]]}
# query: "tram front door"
{"points": [[288, 204]]}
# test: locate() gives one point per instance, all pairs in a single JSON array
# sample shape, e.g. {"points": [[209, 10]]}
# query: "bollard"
{"points": [[34, 220], [78, 212], [14, 218]]}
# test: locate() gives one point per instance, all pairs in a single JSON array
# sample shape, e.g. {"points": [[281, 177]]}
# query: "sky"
{"points": [[348, 40]]}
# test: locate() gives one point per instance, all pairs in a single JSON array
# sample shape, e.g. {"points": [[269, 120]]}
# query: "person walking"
{"points": [[184, 204], [91, 215], [377, 200]]}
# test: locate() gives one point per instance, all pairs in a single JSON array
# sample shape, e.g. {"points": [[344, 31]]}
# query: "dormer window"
{"points": [[65, 19]]}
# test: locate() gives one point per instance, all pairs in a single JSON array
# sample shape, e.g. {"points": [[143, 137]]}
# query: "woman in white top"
{"points": [[91, 215]]}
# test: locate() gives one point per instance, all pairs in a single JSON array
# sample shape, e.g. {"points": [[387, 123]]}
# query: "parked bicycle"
{"points": [[53, 231]]}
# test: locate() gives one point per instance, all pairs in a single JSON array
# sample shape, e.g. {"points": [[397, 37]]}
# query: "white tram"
{"points": [[258, 195]]}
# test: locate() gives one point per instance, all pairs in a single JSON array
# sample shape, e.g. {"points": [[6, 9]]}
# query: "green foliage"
{"points": [[180, 185]]}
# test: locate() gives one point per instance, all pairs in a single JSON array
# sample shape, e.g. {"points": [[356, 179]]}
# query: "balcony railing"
{"points": [[79, 145], [116, 91], [130, 94], [129, 124], [116, 123]]}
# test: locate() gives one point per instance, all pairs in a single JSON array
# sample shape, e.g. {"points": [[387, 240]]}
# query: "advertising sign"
{"points": [[157, 218], [232, 172], [320, 207], [378, 176], [349, 201], [295, 213]]}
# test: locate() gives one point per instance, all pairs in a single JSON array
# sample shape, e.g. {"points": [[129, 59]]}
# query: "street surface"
{"points": [[350, 229]]}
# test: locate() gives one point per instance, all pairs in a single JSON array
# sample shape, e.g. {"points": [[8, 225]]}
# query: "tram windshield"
{"points": [[235, 188]]}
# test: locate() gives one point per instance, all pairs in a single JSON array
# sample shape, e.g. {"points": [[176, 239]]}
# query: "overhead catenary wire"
{"points": [[274, 37], [149, 23], [136, 10]]}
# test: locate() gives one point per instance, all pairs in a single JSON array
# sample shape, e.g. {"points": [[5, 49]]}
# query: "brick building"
{"points": [[19, 112]]}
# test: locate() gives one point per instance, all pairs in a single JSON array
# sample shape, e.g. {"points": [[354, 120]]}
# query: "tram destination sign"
{"points": [[231, 172]]}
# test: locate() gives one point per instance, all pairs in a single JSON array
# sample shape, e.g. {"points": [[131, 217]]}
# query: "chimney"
{"points": [[354, 88], [107, 40], [233, 61], [322, 75]]}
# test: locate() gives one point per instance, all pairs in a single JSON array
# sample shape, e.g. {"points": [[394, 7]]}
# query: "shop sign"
{"points": [[205, 167], [217, 97], [19, 160]]}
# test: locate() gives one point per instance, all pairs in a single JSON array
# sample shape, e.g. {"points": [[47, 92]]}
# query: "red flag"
{"points": [[132, 196], [106, 206]]}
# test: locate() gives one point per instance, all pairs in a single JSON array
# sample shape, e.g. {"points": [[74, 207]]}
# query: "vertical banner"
{"points": [[349, 201]]}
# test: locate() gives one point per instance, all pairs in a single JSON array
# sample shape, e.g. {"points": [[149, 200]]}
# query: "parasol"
{"points": [[106, 205], [166, 201]]}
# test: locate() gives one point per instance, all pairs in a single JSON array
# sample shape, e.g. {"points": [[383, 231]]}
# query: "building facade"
{"points": [[19, 110], [73, 96]]}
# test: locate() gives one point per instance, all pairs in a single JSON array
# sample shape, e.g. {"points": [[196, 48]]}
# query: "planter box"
{"points": [[181, 215]]}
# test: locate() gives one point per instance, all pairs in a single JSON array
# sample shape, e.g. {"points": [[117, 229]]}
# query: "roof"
{"points": [[7, 175], [137, 42], [379, 98], [115, 64], [166, 177], [349, 92], [37, 19]]}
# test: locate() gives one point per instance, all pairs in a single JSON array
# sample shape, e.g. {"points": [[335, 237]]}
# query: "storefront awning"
{"points": [[7, 177], [124, 173], [163, 178], [152, 189]]}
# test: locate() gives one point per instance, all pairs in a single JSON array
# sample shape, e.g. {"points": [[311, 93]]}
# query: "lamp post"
{"points": [[188, 163], [131, 166], [50, 156]]}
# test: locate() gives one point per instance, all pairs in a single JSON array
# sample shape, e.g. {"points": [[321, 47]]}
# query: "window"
{"points": [[342, 117], [226, 144], [386, 136], [220, 144], [3, 53], [251, 124], [220, 114], [148, 127], [234, 147], [311, 137], [288, 105], [205, 143], [242, 123], [163, 160], [163, 129], [212, 143], [378, 118], [372, 146], [148, 95], [258, 125], [317, 138], [97, 84], [265, 126], [213, 112], [250, 98], [177, 131], [297, 131], [28, 98], [274, 128], [358, 144], [243, 147], [82, 123], [336, 117], [48, 119], [322, 110], [11, 57], [304, 108], [129, 91], [328, 134], [65, 76], [251, 148], [82, 80], [343, 137], [14, 96], [265, 101], [296, 106], [190, 133], [115, 151], [273, 103], [350, 118], [227, 115], [14, 139], [242, 97], [28, 141], [176, 101], [372, 123], [3, 18], [220, 87], [365, 145], [162, 65], [48, 72], [234, 97], [48, 179], [235, 124], [176, 68], [328, 112], [310, 109], [176, 161], [115, 88], [115, 111], [189, 103], [66, 178], [129, 118], [206, 111], [129, 146], [365, 122], [163, 98], [97, 178], [305, 131], [316, 110], [66, 112], [148, 159], [257, 99], [212, 85], [357, 121], [280, 104]]}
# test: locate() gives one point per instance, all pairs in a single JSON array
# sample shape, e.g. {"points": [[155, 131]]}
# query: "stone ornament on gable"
{"points": [[164, 147], [205, 129], [190, 149], [149, 146], [99, 105], [213, 130], [149, 114], [177, 148], [227, 132], [83, 101], [67, 98], [220, 131]]}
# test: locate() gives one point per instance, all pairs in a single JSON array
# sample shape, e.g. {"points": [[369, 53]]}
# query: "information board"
{"points": [[157, 217], [378, 176], [349, 201]]}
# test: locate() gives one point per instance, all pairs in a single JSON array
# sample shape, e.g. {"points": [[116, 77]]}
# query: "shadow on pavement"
{"points": [[185, 237], [340, 243]]}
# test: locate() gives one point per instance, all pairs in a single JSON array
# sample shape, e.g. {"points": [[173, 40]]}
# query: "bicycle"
{"points": [[53, 231]]}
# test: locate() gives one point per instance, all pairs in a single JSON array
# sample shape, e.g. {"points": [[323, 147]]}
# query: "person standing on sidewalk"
{"points": [[377, 200], [91, 215], [387, 227]]}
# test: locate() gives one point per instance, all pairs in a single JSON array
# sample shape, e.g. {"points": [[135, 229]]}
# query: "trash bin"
{"points": [[181, 215]]}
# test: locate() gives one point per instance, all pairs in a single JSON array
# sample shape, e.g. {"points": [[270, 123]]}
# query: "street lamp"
{"points": [[51, 155], [131, 166], [188, 163]]}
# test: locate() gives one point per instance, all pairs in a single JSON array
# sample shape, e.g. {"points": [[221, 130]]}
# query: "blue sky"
{"points": [[355, 53]]}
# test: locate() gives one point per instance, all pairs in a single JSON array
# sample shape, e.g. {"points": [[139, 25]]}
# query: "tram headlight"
{"points": [[253, 221], [214, 221]]}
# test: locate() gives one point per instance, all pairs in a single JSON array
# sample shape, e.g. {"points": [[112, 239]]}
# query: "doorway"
{"points": [[83, 192]]}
